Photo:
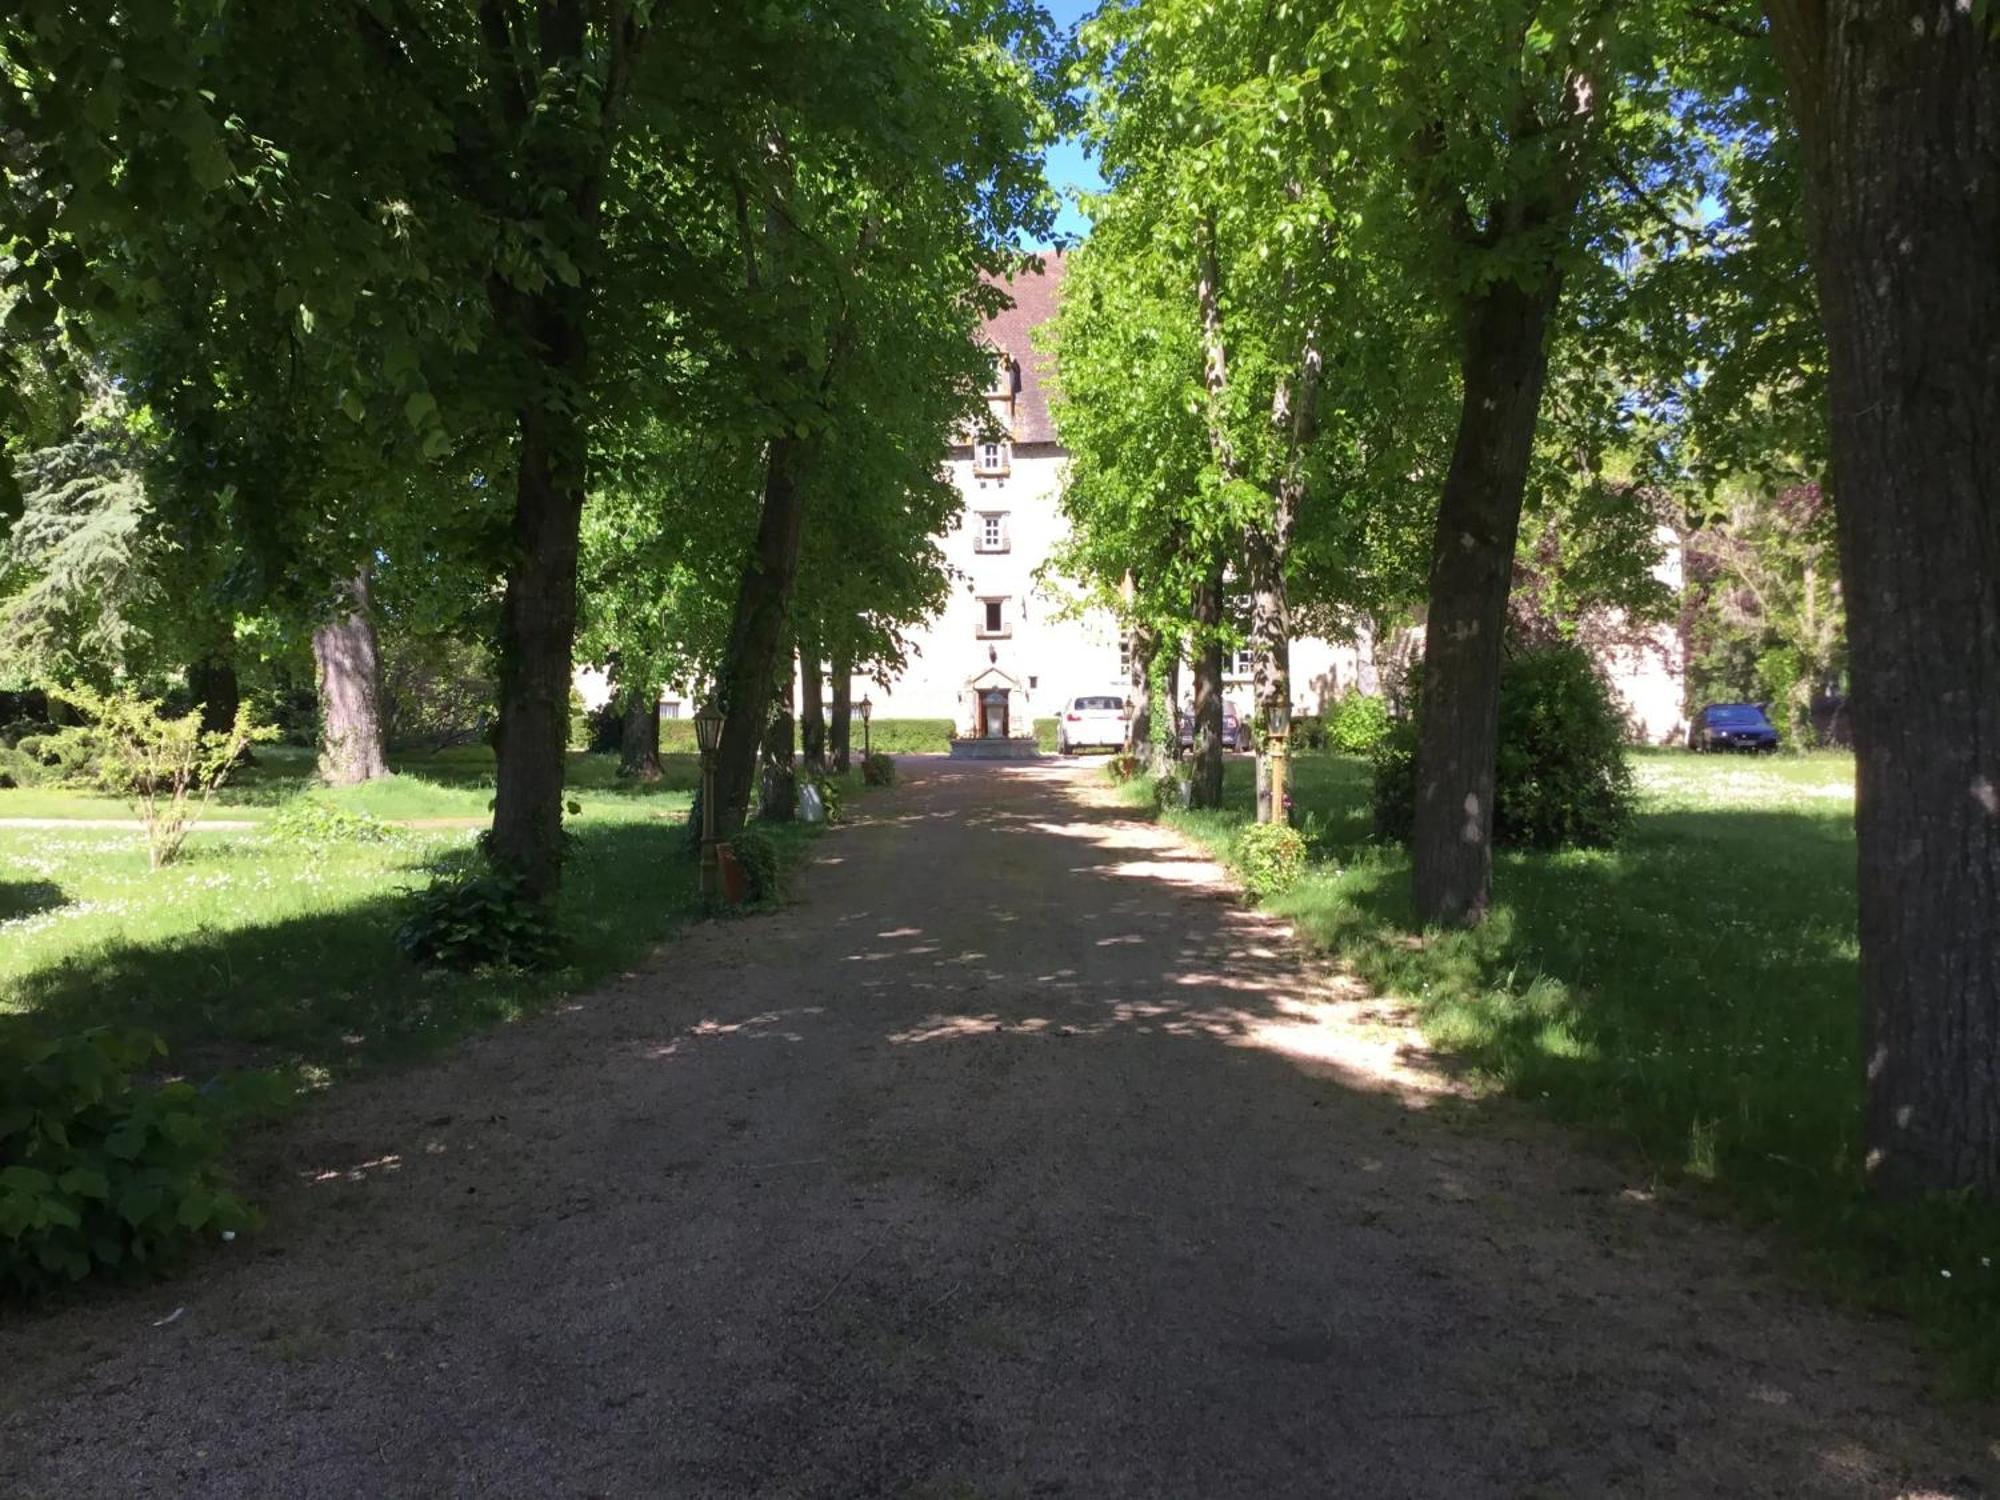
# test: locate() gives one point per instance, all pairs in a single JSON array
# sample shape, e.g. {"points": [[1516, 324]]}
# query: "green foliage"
{"points": [[99, 1172], [437, 691], [1766, 622], [316, 823], [878, 769], [1359, 722], [831, 795], [1561, 775], [167, 767], [757, 851], [478, 920], [1269, 856]]}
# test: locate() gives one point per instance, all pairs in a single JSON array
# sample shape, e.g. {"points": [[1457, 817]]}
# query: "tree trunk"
{"points": [[212, 685], [840, 731], [1472, 569], [1145, 645], [1271, 656], [812, 707], [1208, 691], [756, 635], [538, 624], [347, 665], [1899, 114], [639, 739], [778, 801]]}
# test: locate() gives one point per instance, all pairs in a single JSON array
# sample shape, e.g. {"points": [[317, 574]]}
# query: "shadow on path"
{"points": [[1016, 1159]]}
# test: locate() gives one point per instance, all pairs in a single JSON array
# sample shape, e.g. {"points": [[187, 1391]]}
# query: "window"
{"points": [[1003, 377], [992, 535], [1125, 657], [1242, 662], [990, 457], [671, 709], [993, 617]]}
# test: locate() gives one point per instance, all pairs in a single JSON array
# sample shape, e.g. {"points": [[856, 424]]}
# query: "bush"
{"points": [[830, 796], [319, 825], [1269, 856], [1309, 732], [97, 1173], [478, 920], [1561, 772], [878, 770], [166, 767], [437, 691], [1358, 724], [757, 852]]}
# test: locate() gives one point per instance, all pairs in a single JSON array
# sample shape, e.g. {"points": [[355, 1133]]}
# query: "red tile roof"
{"points": [[1011, 331]]}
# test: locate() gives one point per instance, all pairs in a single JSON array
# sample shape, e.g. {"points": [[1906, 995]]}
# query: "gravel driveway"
{"points": [[1014, 1159]]}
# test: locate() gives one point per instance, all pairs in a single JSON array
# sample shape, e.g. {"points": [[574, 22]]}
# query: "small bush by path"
{"points": [[1690, 993]]}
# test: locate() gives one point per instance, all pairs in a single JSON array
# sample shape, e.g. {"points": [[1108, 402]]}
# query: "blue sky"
{"points": [[1068, 166]]}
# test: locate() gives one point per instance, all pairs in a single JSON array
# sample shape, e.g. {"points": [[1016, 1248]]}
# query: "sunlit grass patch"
{"points": [[259, 949]]}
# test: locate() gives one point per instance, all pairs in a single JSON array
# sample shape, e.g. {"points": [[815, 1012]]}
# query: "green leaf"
{"points": [[197, 1206], [86, 1182], [26, 1180], [138, 1204], [420, 408]]}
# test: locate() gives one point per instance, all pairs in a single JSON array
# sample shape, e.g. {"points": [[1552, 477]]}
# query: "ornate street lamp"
{"points": [[708, 736], [867, 712], [1277, 730]]}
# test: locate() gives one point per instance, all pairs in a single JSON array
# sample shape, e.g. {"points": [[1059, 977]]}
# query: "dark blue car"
{"points": [[1732, 726]]}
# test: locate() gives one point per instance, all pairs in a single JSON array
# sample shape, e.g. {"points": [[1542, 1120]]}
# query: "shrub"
{"points": [[1358, 724], [1561, 772], [878, 770], [437, 691], [100, 1173], [166, 767], [830, 796], [1309, 732], [1125, 767], [319, 825], [763, 866], [479, 920], [1270, 857]]}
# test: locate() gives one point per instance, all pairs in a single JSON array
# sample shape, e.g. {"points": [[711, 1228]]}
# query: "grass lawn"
{"points": [[253, 951], [1692, 995]]}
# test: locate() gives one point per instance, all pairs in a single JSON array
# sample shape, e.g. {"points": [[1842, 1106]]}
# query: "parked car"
{"points": [[1234, 736], [1732, 726], [1091, 721]]}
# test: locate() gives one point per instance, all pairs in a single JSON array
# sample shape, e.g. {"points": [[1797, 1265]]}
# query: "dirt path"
{"points": [[1013, 1160]]}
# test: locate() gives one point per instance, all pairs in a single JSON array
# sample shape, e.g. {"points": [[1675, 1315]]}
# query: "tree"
{"points": [[865, 254], [1898, 112], [347, 666]]}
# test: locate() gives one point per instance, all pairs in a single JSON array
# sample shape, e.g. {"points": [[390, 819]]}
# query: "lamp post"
{"points": [[867, 712], [1277, 727], [708, 736]]}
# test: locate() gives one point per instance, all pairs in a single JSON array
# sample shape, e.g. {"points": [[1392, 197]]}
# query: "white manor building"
{"points": [[1009, 648]]}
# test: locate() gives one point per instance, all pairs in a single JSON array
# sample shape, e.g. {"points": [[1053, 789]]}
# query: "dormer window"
{"points": [[1003, 377], [990, 456]]}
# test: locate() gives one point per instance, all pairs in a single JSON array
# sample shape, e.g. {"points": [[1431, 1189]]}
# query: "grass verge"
{"points": [[259, 952], [1692, 995]]}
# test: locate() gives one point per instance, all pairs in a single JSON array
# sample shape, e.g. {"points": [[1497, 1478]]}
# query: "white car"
{"points": [[1091, 721]]}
